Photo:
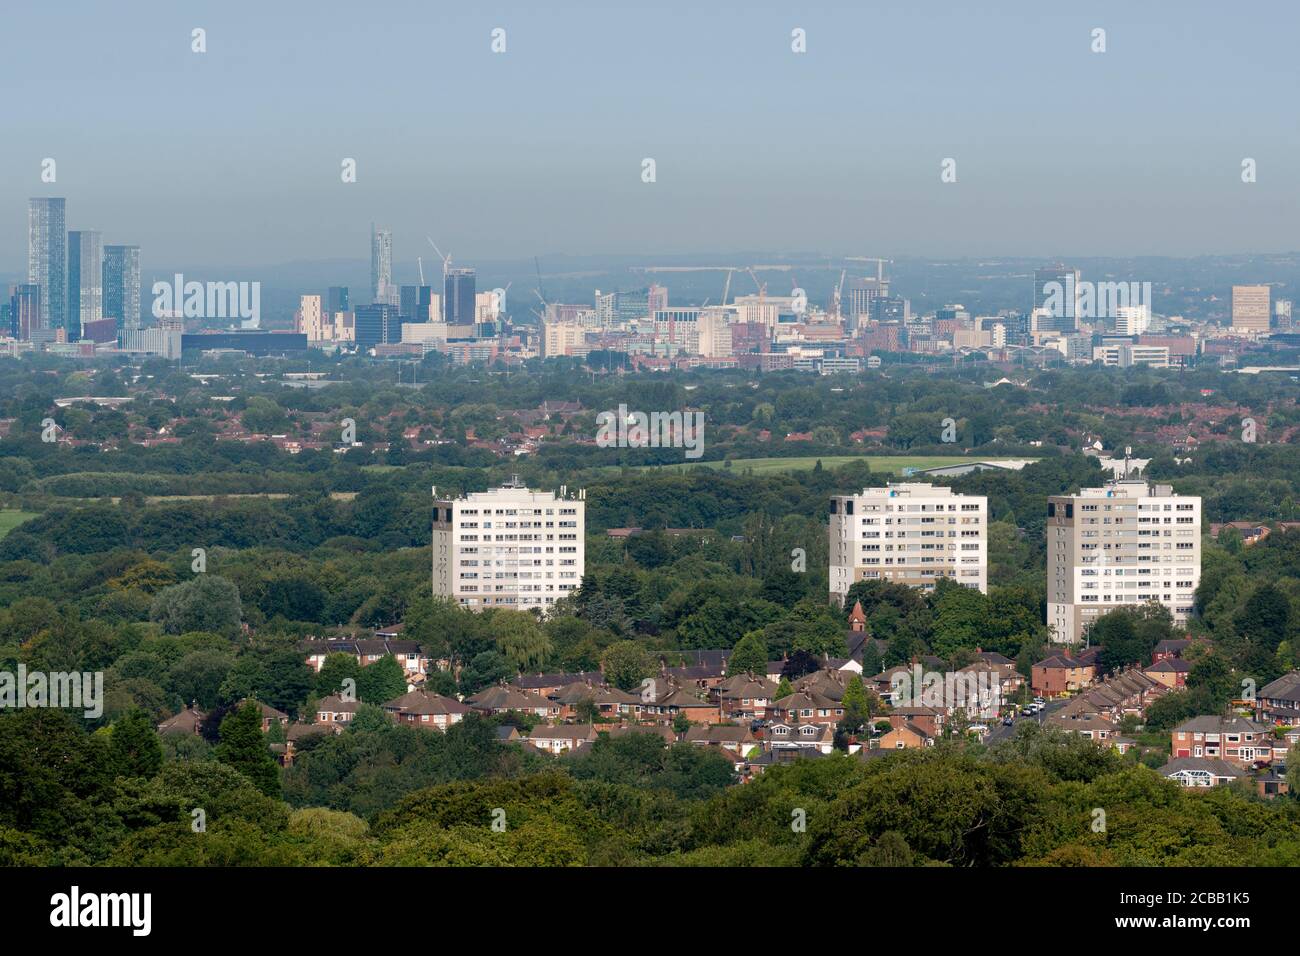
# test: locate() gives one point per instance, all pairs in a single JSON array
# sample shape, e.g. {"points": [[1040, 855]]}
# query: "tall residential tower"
{"points": [[1124, 544], [510, 547], [47, 258], [908, 533]]}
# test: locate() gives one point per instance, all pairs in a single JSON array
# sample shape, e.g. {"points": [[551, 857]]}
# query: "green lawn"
{"points": [[12, 519], [884, 464]]}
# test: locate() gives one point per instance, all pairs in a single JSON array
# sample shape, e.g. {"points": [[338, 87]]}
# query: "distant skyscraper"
{"points": [[376, 324], [1282, 313], [1056, 298], [337, 299], [85, 280], [458, 300], [1250, 308], [24, 310], [381, 266], [415, 302], [887, 308], [122, 285], [47, 257]]}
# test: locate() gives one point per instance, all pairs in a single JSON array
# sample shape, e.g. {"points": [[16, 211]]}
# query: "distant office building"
{"points": [[416, 303], [508, 547], [311, 320], [250, 341], [562, 338], [337, 299], [888, 308], [1282, 313], [162, 340], [381, 267], [459, 303], [1132, 319], [1124, 544], [47, 258], [908, 533], [1250, 308], [25, 310], [122, 285], [1056, 299], [377, 324], [85, 280], [860, 296]]}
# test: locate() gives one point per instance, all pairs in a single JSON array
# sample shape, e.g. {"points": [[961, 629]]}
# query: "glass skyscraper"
{"points": [[458, 302], [85, 280], [122, 285], [381, 266], [47, 257]]}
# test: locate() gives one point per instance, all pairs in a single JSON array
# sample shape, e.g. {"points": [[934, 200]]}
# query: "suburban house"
{"points": [[1170, 671], [609, 702], [188, 721], [1169, 649], [335, 710], [407, 653], [547, 685], [744, 697], [556, 740], [663, 699], [1234, 739], [1279, 702], [1059, 674], [738, 739], [1089, 726], [927, 719], [807, 707], [904, 737], [503, 698], [787, 736], [1201, 771], [269, 714], [423, 709]]}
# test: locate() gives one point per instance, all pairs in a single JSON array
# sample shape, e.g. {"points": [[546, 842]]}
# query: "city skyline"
{"points": [[529, 156]]}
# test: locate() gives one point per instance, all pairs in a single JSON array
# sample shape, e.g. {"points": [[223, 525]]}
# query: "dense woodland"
{"points": [[102, 578]]}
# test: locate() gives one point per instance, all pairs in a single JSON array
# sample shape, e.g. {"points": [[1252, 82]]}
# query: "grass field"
{"points": [[12, 519], [884, 464]]}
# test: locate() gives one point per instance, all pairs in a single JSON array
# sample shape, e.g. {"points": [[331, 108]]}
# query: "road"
{"points": [[999, 732]]}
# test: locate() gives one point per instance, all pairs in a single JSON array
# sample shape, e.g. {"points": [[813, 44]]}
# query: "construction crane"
{"points": [[541, 292], [726, 287], [420, 262], [880, 264], [839, 295]]}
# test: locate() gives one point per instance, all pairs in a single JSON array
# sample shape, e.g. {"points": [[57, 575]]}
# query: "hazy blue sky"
{"points": [[232, 157]]}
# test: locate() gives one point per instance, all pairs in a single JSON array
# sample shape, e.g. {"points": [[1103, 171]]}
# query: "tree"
{"points": [[783, 689], [383, 680], [749, 656], [244, 748], [208, 602], [520, 639], [857, 706], [134, 746], [626, 664]]}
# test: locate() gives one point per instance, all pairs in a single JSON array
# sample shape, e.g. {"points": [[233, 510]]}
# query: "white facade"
{"points": [[1122, 545], [509, 547], [908, 533]]}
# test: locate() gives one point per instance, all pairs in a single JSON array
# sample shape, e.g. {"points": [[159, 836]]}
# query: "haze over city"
{"points": [[231, 158]]}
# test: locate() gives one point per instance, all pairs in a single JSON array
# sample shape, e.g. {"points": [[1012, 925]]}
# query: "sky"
{"points": [[233, 157]]}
